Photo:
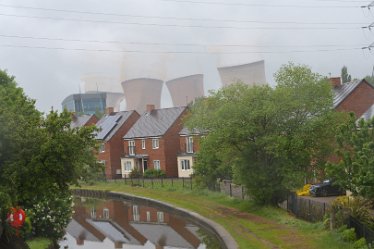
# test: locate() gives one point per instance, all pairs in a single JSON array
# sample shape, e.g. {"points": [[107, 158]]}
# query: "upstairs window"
{"points": [[132, 148], [143, 144], [106, 213], [155, 143], [102, 147], [135, 213], [189, 144]]}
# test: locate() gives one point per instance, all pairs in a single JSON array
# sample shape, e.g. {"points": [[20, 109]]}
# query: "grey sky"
{"points": [[282, 32]]}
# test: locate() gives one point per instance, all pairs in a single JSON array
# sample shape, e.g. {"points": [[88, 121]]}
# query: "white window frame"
{"points": [[143, 144], [106, 213], [148, 216], [126, 166], [155, 143], [189, 144], [160, 217], [156, 164], [131, 147], [185, 164], [102, 147], [135, 213], [93, 213]]}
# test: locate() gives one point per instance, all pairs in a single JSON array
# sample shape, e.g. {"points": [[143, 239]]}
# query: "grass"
{"points": [[38, 243], [250, 225]]}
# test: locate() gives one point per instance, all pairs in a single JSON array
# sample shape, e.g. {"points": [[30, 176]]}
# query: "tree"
{"points": [[345, 76], [40, 156], [266, 138], [355, 170]]}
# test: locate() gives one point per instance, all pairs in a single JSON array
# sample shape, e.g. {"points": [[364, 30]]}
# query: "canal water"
{"points": [[115, 224]]}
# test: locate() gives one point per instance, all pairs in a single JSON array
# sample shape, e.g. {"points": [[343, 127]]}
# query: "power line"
{"points": [[176, 52], [180, 25], [163, 44], [260, 4], [175, 18]]}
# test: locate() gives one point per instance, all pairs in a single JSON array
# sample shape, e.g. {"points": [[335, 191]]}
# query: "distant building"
{"points": [[113, 126], [153, 141], [92, 102], [142, 91], [186, 89], [356, 96], [250, 74]]}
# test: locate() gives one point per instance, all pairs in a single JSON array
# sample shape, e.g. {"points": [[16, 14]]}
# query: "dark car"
{"points": [[326, 188]]}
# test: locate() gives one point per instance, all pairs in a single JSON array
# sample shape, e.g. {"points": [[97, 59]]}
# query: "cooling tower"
{"points": [[140, 92], [186, 89], [250, 74]]}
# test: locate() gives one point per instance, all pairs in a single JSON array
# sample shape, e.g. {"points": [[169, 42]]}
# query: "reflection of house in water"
{"points": [[116, 224]]}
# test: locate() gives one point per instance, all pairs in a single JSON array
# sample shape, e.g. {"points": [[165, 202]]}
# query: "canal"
{"points": [[112, 223]]}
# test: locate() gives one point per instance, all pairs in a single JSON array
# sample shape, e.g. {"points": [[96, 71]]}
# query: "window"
{"points": [[135, 212], [143, 144], [105, 213], [189, 144], [155, 143], [156, 164], [93, 213], [102, 147], [160, 217], [148, 216], [132, 148], [127, 166], [185, 164]]}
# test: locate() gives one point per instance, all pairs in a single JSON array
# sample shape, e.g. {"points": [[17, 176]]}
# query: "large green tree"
{"points": [[40, 155], [263, 137], [355, 169]]}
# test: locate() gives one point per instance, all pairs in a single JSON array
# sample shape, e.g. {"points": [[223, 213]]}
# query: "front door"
{"points": [[145, 165]]}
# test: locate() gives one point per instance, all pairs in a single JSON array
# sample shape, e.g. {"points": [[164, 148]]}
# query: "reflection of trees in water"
{"points": [[209, 240]]}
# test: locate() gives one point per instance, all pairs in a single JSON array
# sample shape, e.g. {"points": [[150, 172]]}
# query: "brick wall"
{"points": [[359, 100], [114, 148]]}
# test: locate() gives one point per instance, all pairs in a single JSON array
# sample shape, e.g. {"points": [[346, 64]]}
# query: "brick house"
{"points": [[113, 127], [82, 120], [153, 141], [189, 144], [356, 96]]}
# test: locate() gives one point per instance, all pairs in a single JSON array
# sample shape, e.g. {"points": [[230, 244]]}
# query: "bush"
{"points": [[348, 235], [150, 173], [50, 216], [360, 244], [135, 173]]}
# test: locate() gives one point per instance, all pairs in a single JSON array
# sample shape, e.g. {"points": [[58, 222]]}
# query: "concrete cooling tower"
{"points": [[250, 74], [142, 91], [186, 89]]}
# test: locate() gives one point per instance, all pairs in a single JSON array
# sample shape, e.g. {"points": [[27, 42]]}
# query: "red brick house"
{"points": [[189, 144], [153, 141], [113, 127], [356, 96]]}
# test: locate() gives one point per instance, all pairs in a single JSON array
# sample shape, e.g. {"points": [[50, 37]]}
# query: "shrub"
{"points": [[360, 244], [348, 235], [135, 173], [149, 173]]}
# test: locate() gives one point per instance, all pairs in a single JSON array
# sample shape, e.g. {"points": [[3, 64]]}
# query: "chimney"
{"points": [[80, 241], [150, 108], [109, 110], [335, 81]]}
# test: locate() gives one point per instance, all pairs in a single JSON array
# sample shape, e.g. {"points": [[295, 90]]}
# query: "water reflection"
{"points": [[118, 224]]}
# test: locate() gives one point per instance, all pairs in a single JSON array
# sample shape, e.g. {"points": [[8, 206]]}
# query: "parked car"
{"points": [[326, 188]]}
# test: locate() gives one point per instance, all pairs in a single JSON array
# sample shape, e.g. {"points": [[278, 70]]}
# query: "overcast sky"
{"points": [[50, 45]]}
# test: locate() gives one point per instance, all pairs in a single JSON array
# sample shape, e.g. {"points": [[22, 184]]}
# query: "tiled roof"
{"points": [[185, 131], [109, 124], [155, 123], [369, 114], [79, 121], [342, 91]]}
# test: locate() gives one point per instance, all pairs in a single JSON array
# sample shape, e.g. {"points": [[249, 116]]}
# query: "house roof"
{"points": [[79, 121], [156, 123], [341, 92], [186, 132], [369, 114], [110, 123]]}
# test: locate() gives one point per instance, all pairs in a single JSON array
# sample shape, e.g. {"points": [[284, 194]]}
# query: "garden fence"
{"points": [[362, 230]]}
